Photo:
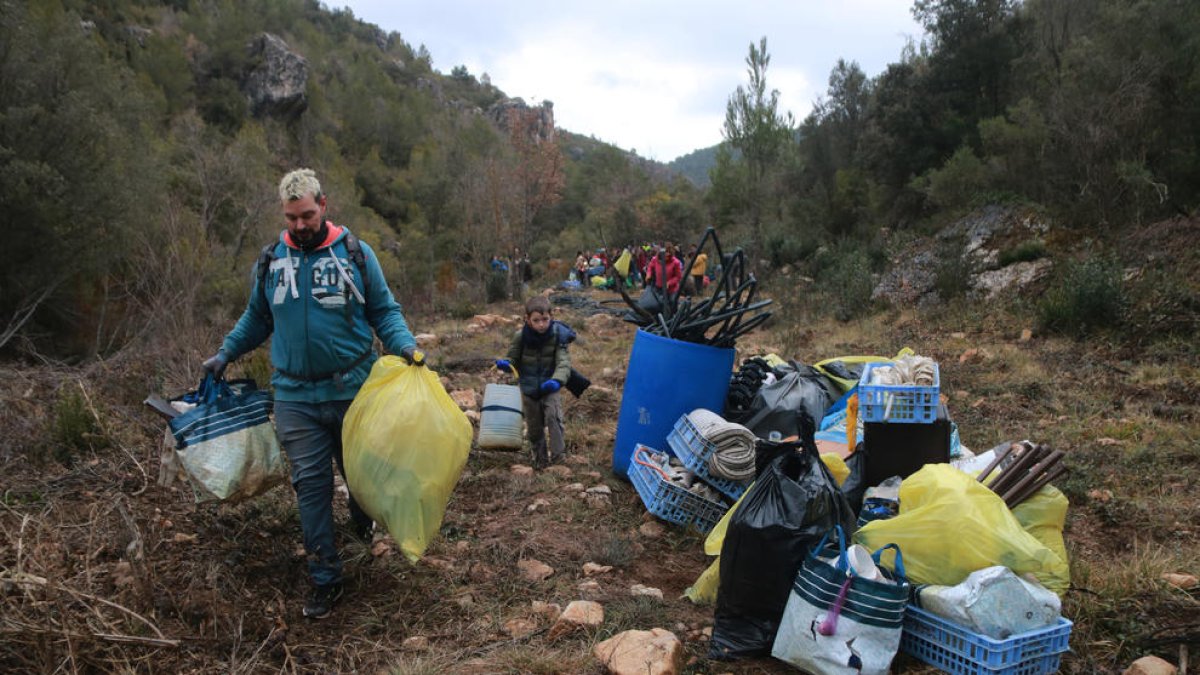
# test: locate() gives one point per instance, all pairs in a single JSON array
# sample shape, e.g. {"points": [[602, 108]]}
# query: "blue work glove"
{"points": [[550, 386], [504, 365], [215, 364], [413, 356]]}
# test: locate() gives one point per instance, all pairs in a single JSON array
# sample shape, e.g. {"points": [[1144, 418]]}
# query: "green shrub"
{"points": [[1024, 252], [843, 274], [497, 287], [74, 427], [461, 308], [960, 181], [1088, 297]]}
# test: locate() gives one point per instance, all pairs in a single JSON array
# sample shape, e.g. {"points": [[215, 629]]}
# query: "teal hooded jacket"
{"points": [[319, 315]]}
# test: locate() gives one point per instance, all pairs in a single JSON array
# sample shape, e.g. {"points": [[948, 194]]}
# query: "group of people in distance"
{"points": [[651, 264]]}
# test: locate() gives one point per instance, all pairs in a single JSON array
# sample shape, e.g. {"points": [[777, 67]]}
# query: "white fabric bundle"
{"points": [[910, 369], [734, 455]]}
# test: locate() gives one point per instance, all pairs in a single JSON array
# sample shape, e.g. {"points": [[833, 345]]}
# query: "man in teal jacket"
{"points": [[318, 293]]}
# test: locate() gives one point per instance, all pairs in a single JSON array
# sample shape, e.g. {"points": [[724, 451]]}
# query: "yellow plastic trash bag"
{"points": [[847, 384], [950, 525], [837, 467], [704, 590], [1044, 515], [405, 443], [622, 264]]}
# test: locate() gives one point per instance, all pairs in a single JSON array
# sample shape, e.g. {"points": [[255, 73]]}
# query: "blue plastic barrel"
{"points": [[665, 379]]}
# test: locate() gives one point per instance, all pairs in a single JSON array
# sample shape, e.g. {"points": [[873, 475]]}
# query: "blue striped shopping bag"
{"points": [[837, 622], [226, 444]]}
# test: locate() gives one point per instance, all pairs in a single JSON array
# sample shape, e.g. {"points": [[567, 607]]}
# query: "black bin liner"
{"points": [[794, 502], [799, 388]]}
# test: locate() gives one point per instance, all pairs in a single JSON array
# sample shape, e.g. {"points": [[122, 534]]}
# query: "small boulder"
{"points": [[520, 627], [416, 643], [1026, 335], [464, 399], [589, 588], [599, 490], [425, 340], [647, 591], [1180, 580], [536, 504], [521, 470], [550, 610], [974, 355], [579, 615], [574, 487], [640, 652], [535, 570], [591, 569], [559, 470], [472, 416], [1151, 665]]}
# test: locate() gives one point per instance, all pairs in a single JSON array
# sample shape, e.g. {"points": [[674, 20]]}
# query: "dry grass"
{"points": [[101, 570]]}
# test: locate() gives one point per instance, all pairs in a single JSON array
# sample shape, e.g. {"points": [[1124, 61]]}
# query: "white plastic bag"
{"points": [[993, 601]]}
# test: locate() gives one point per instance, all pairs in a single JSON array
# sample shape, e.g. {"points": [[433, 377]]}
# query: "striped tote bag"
{"points": [[226, 444], [837, 621]]}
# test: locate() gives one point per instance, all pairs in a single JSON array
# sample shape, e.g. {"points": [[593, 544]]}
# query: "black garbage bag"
{"points": [[798, 388], [790, 507], [767, 451], [855, 486]]}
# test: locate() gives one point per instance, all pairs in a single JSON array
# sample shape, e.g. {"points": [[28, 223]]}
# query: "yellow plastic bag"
{"points": [[837, 467], [622, 264], [848, 384], [1044, 515], [950, 525], [405, 443]]}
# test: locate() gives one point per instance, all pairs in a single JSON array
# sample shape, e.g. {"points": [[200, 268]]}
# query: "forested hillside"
{"points": [[1087, 109], [140, 143]]}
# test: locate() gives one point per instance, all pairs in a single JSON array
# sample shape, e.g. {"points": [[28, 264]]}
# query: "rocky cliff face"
{"points": [[276, 84], [982, 235], [512, 113]]}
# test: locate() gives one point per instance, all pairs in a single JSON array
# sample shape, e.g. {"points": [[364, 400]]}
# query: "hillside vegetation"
{"points": [[138, 162]]}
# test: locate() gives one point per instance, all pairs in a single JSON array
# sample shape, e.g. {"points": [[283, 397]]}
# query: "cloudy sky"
{"points": [[647, 75]]}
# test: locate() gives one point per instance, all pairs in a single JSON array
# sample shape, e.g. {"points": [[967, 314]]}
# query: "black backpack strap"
{"points": [[265, 257], [355, 252]]}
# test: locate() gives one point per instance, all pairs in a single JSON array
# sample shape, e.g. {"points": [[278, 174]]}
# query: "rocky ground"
{"points": [[104, 570]]}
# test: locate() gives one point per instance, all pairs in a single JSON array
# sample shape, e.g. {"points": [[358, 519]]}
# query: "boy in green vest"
{"points": [[539, 351]]}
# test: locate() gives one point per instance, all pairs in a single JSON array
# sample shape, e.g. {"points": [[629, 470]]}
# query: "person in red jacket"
{"points": [[665, 266]]}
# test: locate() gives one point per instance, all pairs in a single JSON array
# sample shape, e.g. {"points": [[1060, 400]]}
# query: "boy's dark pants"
{"points": [[540, 415]]}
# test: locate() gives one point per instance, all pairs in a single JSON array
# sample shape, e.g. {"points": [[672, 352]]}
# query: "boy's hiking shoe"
{"points": [[321, 600]]}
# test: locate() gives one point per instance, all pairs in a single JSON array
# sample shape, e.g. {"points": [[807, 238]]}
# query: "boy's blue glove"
{"points": [[503, 364], [550, 386]]}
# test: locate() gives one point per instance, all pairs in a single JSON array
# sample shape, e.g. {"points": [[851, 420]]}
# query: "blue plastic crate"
{"points": [[694, 451], [671, 502], [897, 403], [956, 649]]}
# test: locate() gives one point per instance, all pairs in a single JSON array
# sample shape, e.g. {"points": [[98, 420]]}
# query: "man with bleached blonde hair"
{"points": [[318, 293]]}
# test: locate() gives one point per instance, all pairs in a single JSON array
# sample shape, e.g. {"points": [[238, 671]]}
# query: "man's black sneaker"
{"points": [[321, 600], [363, 531]]}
